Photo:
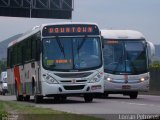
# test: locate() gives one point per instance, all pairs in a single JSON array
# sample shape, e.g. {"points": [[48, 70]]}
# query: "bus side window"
{"points": [[9, 58], [23, 54], [19, 53], [38, 46], [23, 49], [14, 55], [33, 48]]}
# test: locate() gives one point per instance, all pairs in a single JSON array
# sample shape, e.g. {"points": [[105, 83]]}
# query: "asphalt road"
{"points": [[114, 104]]}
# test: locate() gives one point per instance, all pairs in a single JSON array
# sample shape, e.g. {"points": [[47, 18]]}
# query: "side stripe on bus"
{"points": [[17, 77]]}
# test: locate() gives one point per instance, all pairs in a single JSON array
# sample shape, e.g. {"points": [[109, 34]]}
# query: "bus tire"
{"points": [[88, 98], [38, 98], [18, 97], [63, 98], [57, 99], [27, 98], [4, 93], [60, 98], [33, 87], [133, 95], [105, 95]]}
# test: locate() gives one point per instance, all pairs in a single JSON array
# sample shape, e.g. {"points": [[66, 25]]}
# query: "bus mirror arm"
{"points": [[102, 39]]}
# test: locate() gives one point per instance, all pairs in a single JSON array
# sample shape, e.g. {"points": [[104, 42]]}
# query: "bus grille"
{"points": [[123, 81], [76, 81], [75, 87], [73, 75]]}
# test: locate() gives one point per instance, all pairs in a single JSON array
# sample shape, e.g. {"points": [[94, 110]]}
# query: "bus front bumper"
{"points": [[69, 89], [140, 87]]}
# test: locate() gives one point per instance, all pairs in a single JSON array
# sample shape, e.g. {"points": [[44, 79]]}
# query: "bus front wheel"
{"points": [[88, 98], [4, 93], [60, 98], [133, 95]]}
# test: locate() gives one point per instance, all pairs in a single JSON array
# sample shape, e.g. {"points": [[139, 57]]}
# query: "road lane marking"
{"points": [[137, 104]]}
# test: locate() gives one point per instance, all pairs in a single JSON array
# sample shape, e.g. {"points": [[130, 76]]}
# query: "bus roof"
{"points": [[25, 35], [121, 34], [69, 23], [39, 28]]}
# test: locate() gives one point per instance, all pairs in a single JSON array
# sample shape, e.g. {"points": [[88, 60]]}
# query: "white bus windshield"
{"points": [[125, 56], [71, 53]]}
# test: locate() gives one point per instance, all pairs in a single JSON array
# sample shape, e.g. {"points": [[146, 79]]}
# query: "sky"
{"points": [[140, 15]]}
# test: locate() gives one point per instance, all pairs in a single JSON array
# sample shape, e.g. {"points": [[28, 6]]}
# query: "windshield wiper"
{"points": [[60, 46], [81, 44]]}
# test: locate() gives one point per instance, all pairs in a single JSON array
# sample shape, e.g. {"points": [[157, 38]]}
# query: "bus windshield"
{"points": [[125, 56], [71, 53]]}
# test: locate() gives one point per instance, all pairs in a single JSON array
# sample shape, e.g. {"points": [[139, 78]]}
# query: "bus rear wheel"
{"points": [[4, 93], [27, 98], [88, 98], [133, 95], [38, 98], [19, 97]]}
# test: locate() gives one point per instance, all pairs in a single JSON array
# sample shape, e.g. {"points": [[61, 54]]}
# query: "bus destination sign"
{"points": [[70, 30]]}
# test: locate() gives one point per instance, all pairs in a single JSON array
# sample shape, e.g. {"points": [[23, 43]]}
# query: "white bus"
{"points": [[56, 60], [126, 62]]}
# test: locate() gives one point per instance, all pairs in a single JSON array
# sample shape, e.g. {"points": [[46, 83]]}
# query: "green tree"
{"points": [[155, 64]]}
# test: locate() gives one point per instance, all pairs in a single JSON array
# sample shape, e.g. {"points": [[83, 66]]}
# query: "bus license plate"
{"points": [[126, 87]]}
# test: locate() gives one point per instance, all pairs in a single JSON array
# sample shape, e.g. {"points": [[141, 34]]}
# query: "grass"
{"points": [[29, 112], [2, 110]]}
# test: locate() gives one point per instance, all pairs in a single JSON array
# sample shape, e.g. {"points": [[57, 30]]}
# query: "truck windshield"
{"points": [[125, 56], [71, 53]]}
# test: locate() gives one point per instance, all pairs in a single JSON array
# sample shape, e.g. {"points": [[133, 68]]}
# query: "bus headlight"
{"points": [[96, 78], [142, 79], [49, 79], [108, 79]]}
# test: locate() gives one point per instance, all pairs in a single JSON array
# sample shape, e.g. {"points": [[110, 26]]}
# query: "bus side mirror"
{"points": [[102, 41]]}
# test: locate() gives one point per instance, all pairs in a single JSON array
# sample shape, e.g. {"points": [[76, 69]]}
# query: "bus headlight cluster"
{"points": [[142, 79], [96, 78], [108, 79], [49, 79]]}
